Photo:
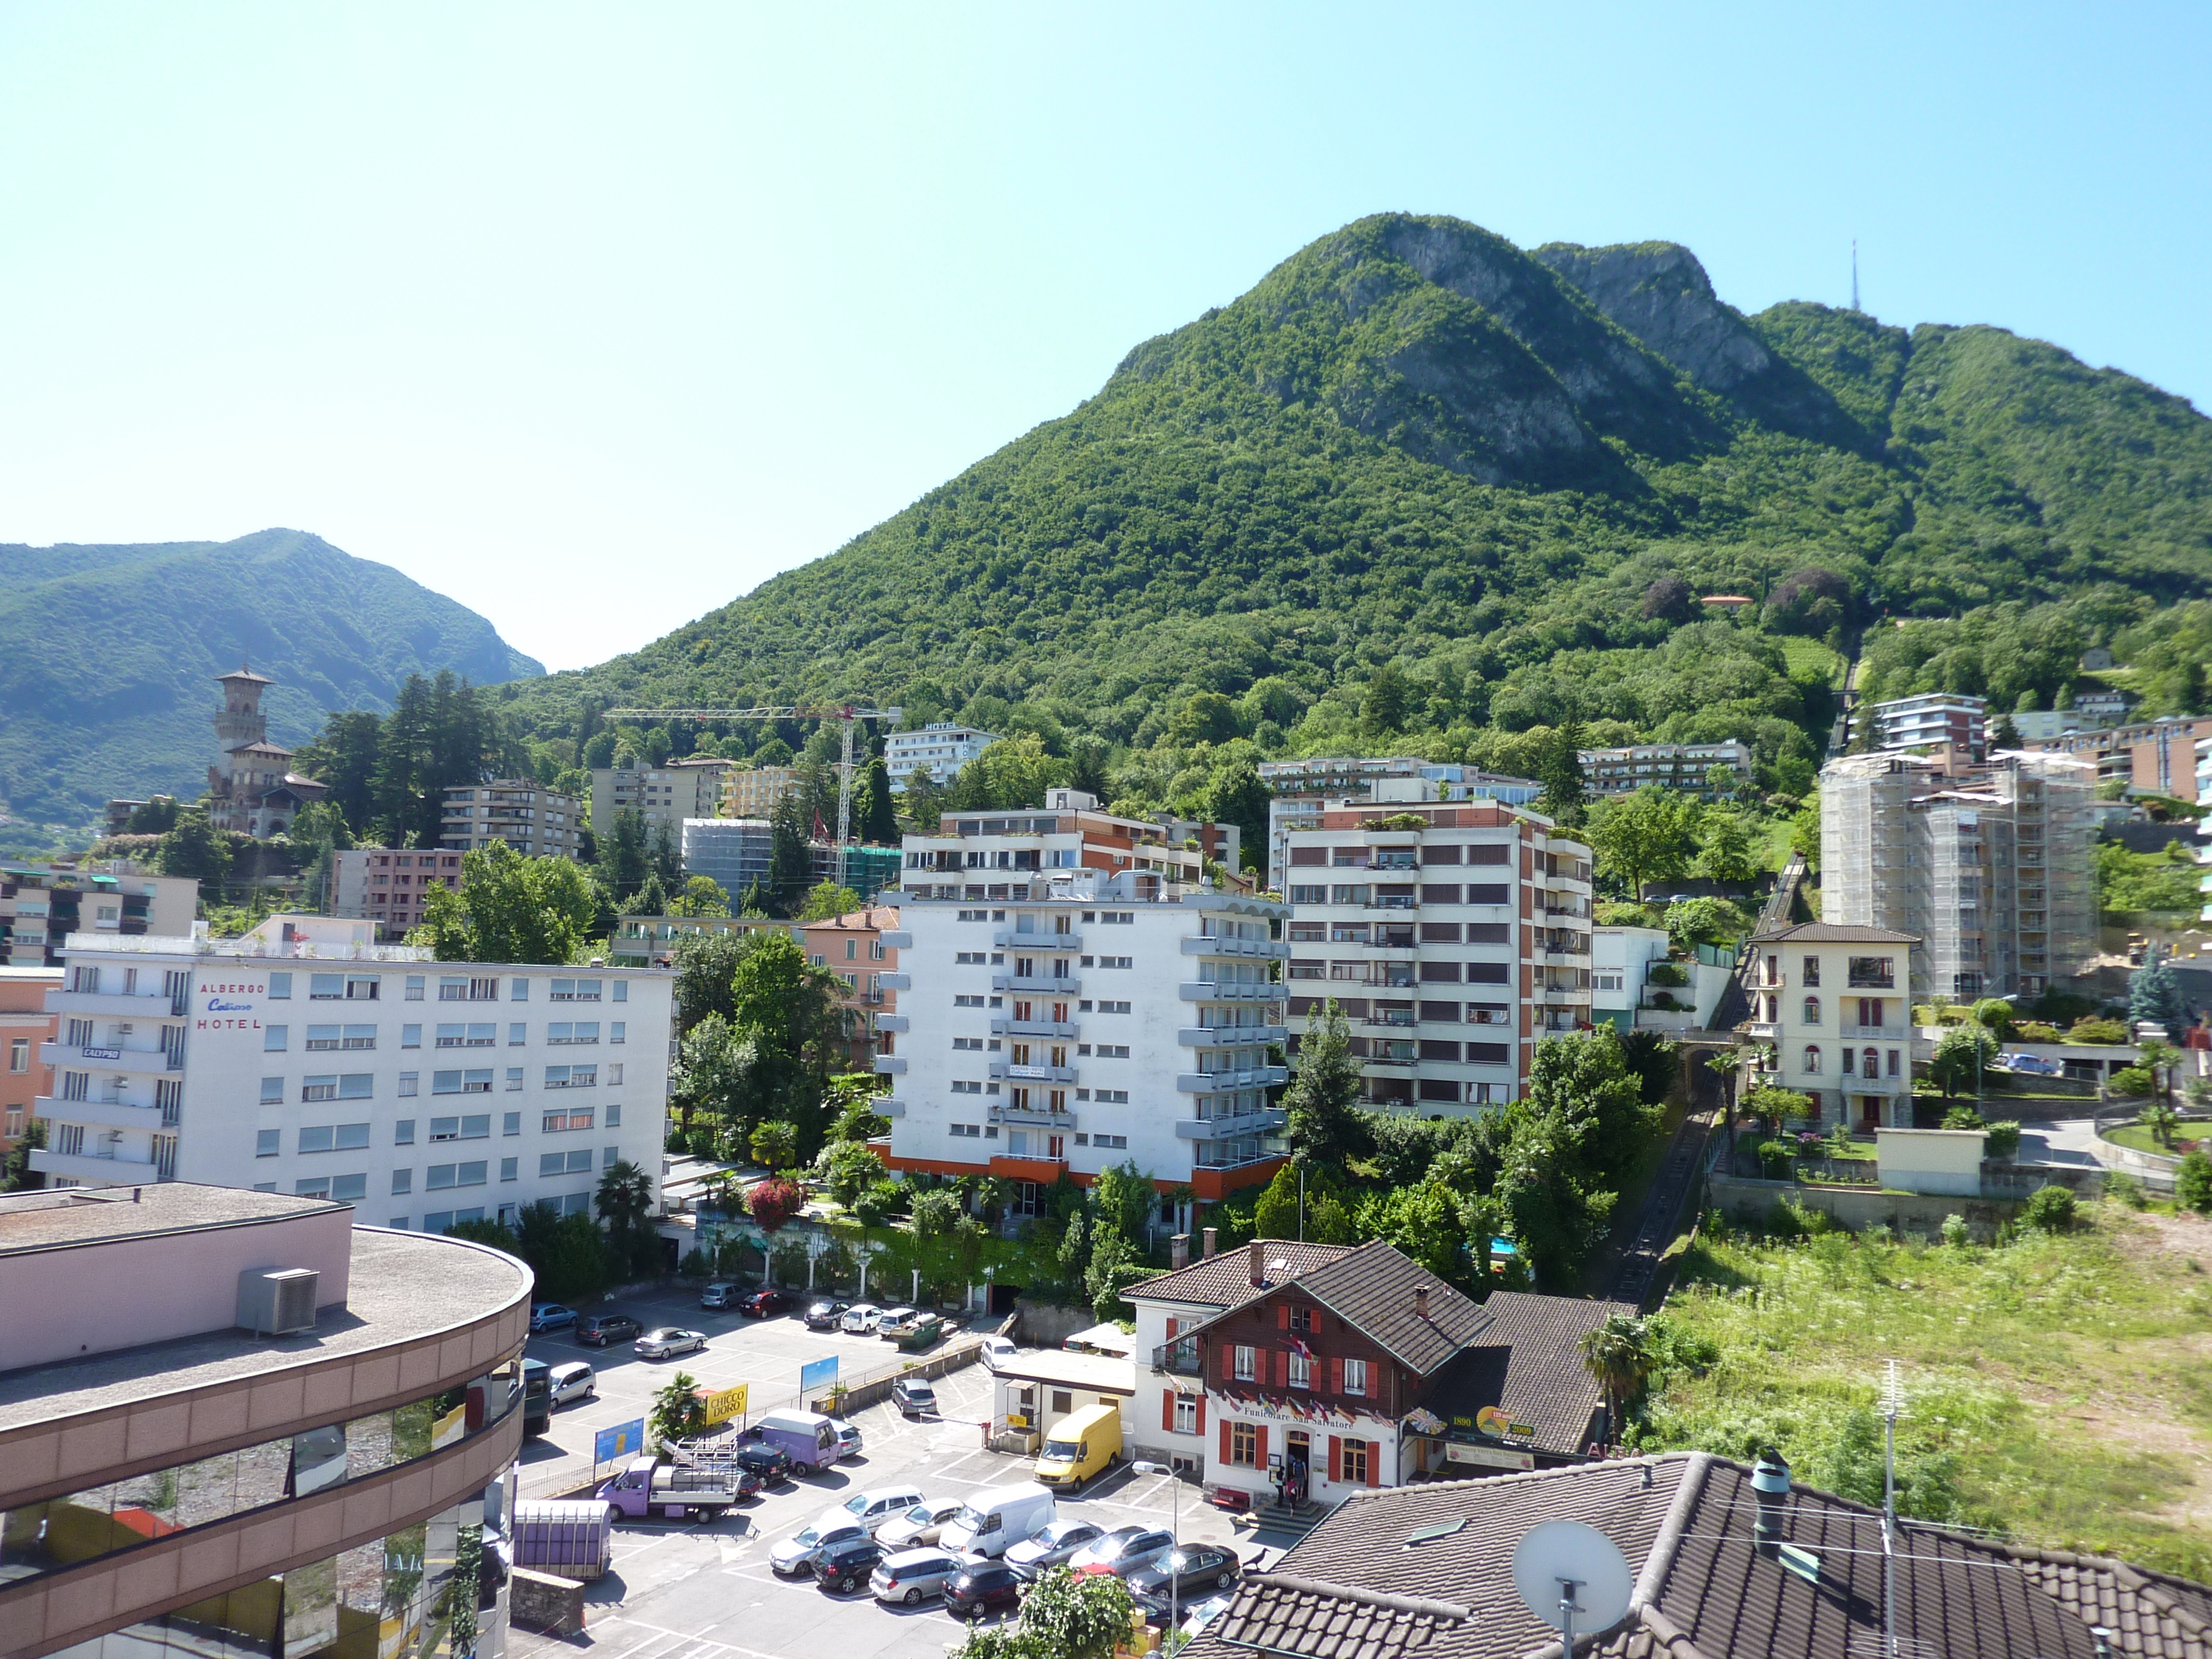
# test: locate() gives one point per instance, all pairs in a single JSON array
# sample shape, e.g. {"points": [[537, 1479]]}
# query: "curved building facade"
{"points": [[232, 1423]]}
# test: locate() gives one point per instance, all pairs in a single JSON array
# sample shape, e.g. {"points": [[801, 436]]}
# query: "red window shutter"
{"points": [[1225, 1443], [1375, 1463], [1201, 1413], [1282, 1316], [1167, 1409], [1260, 1447], [1282, 1368], [1335, 1457], [1336, 1378], [1173, 1327]]}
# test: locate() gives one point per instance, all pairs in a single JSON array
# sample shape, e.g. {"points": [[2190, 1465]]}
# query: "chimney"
{"points": [[1420, 1301], [1179, 1251], [1256, 1268], [1769, 1485], [1212, 1239]]}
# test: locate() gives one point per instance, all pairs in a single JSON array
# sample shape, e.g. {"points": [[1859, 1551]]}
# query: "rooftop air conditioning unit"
{"points": [[277, 1301]]}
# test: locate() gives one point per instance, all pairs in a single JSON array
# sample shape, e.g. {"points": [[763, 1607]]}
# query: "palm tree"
{"points": [[1618, 1354], [2161, 1120], [624, 1201]]}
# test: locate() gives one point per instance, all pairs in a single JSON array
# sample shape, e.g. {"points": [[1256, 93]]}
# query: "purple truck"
{"points": [[649, 1486]]}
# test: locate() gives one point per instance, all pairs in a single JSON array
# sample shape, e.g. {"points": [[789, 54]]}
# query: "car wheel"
{"points": [[914, 1598], [1221, 1581], [975, 1613]]}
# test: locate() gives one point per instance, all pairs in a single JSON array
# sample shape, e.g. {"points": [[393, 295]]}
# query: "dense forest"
{"points": [[1419, 489]]}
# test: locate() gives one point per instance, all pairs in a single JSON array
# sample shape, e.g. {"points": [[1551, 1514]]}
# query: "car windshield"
{"points": [[856, 1503], [1065, 1449], [808, 1539]]}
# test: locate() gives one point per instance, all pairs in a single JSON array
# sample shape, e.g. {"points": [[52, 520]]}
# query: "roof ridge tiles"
{"points": [[1659, 1560]]}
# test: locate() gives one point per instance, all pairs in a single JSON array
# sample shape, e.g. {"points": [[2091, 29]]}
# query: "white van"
{"points": [[1002, 1516]]}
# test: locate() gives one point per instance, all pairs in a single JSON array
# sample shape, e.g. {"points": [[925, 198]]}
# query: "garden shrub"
{"points": [[2049, 1210], [2192, 1183]]}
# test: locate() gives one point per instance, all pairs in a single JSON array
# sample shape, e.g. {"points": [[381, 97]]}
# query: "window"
{"points": [[554, 1164], [320, 1088], [455, 1175], [319, 1187], [518, 1034], [436, 1221], [334, 1138], [514, 1078], [521, 992], [617, 1030], [475, 1126], [1301, 1369], [1302, 1320], [1114, 1007], [403, 1132], [1246, 1367], [571, 1076], [1112, 1143], [621, 990], [1113, 1051], [415, 987], [280, 986], [1875, 973], [509, 1168], [474, 1082], [1812, 1058], [356, 1085], [1113, 962], [349, 1188], [410, 1083], [577, 1031], [1869, 1063], [272, 1089], [274, 1038], [326, 988], [1812, 974], [614, 1114], [411, 1037], [1355, 1377], [967, 1002], [1186, 1414], [575, 990], [266, 1142], [608, 1157], [322, 1037], [1812, 1011], [1892, 1062], [1111, 1098], [403, 1181], [967, 1131], [1244, 1444], [556, 1122], [1352, 1456]]}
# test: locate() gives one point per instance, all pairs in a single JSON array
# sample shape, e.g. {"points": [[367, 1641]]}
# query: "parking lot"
{"points": [[698, 1591]]}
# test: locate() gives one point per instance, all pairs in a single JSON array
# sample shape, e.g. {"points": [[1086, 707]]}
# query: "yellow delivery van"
{"points": [[1080, 1445]]}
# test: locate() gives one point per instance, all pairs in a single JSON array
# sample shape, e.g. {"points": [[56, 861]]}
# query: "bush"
{"points": [[774, 1201], [2004, 1138], [2049, 1210], [1954, 1230], [2089, 1028], [1665, 999], [1776, 1158], [2192, 1183], [1667, 973], [2034, 1030], [2121, 1187], [1962, 1117], [695, 1264]]}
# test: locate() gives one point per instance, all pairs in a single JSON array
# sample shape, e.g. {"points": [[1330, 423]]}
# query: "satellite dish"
{"points": [[1573, 1577]]}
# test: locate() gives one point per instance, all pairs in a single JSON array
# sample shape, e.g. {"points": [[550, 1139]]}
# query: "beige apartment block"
{"points": [[663, 795]]}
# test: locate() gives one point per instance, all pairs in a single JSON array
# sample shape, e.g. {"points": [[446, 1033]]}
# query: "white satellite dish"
{"points": [[1573, 1577]]}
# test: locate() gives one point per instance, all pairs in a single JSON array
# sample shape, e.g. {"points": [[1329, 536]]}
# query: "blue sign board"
{"points": [[623, 1440], [820, 1374]]}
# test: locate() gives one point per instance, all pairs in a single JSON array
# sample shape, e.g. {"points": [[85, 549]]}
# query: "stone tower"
{"points": [[241, 720]]}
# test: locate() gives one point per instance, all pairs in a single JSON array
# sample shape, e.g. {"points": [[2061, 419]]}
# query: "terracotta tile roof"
{"points": [[1361, 1586], [1224, 1281], [1528, 1358], [1833, 932], [1372, 1289]]}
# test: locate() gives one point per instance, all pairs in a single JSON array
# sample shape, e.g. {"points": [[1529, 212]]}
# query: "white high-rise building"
{"points": [[1078, 1020], [303, 1058], [943, 746]]}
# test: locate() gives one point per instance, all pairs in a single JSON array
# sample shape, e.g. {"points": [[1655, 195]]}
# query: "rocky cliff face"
{"points": [[1659, 293]]}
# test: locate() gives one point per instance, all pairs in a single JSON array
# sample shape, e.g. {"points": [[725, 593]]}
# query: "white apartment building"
{"points": [[1687, 767], [1932, 720], [979, 854], [1300, 788], [303, 1058], [1620, 961], [663, 795], [943, 746], [1831, 1018], [1452, 935], [42, 904], [521, 811], [1079, 1019]]}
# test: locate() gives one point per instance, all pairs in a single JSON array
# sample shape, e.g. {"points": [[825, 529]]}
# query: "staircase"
{"points": [[1286, 1520]]}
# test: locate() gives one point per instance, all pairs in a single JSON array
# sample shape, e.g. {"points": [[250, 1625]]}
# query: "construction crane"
{"points": [[848, 715]]}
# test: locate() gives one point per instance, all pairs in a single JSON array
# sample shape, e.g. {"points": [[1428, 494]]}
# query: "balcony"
{"points": [[1394, 902], [1206, 990], [890, 1064], [887, 1106], [1251, 1077], [100, 1114], [1559, 994], [1220, 1037], [1763, 1030], [1032, 1027], [1388, 1023], [1179, 1357], [1871, 1085], [894, 982], [1393, 942], [891, 1022], [1230, 1129], [1001, 1068], [1876, 1033], [87, 1005], [96, 1171], [897, 941], [1043, 944], [1270, 950], [1038, 983], [137, 1062]]}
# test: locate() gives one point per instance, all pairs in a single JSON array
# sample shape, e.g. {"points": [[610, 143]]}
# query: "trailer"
{"points": [[649, 1486], [569, 1538]]}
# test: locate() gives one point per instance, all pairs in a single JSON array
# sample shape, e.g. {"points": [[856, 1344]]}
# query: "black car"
{"points": [[1197, 1570], [977, 1589], [597, 1330], [844, 1568], [761, 1303], [825, 1315], [765, 1461]]}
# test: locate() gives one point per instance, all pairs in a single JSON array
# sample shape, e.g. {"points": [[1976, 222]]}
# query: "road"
{"points": [[695, 1591]]}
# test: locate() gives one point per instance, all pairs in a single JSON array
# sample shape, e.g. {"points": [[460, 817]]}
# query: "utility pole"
{"points": [[1892, 1407]]}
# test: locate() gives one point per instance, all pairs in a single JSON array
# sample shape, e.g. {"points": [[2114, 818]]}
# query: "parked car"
{"points": [[2034, 1064], [1194, 1569], [848, 1438], [1197, 1617], [825, 1315], [891, 1322], [996, 1351], [1080, 1447], [1122, 1551], [922, 1524], [597, 1330], [859, 1319], [795, 1557], [550, 1316], [914, 1396], [981, 1586], [807, 1438], [911, 1576], [719, 1295], [997, 1518], [668, 1341], [1055, 1547], [761, 1303], [845, 1567], [571, 1383], [770, 1463], [878, 1504]]}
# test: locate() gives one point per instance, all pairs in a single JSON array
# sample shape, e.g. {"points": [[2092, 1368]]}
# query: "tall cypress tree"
{"points": [[878, 823], [790, 871]]}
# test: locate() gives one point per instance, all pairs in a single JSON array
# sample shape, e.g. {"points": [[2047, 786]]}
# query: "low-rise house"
{"points": [[1832, 1018]]}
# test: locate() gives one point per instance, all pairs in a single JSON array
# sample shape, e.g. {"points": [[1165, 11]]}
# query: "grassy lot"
{"points": [[2060, 1387], [1808, 658], [2136, 1137]]}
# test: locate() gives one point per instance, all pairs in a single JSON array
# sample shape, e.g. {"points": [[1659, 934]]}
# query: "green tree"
{"points": [[706, 970], [677, 1412], [2155, 994], [343, 758], [511, 908], [1776, 1107], [1276, 1213], [774, 1144], [2163, 1121], [567, 1253], [846, 1168], [1584, 1079], [1235, 794], [195, 848], [16, 1174], [702, 896], [790, 866], [1643, 836], [625, 859], [1555, 1215], [1383, 707], [1013, 772], [625, 1203], [1724, 849], [1962, 1054], [1618, 1354], [1422, 1222], [923, 799], [1560, 772], [826, 901], [874, 820], [2192, 1182], [1122, 1200], [1325, 1126], [1062, 1617]]}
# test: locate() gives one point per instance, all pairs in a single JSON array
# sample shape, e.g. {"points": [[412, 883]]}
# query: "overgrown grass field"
{"points": [[2059, 1387]]}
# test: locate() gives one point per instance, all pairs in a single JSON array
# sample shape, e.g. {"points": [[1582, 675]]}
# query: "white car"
{"points": [[873, 1508], [893, 1322], [795, 1555], [570, 1382], [860, 1319], [667, 1342], [996, 1351], [848, 1438]]}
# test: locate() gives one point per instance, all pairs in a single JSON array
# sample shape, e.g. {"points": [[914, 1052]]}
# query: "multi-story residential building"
{"points": [[651, 941], [1934, 720], [1620, 961], [943, 746], [388, 887], [1688, 767], [42, 904], [302, 1058], [733, 853], [232, 1423], [1301, 787], [1831, 1018], [523, 812], [1991, 868], [984, 852], [857, 947], [252, 787], [1334, 1370], [868, 871], [753, 792], [663, 795], [1067, 1019], [2101, 707], [1453, 935], [26, 1028], [2151, 757]]}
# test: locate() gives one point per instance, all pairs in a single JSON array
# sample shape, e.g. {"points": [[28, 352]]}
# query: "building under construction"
{"points": [[1992, 866]]}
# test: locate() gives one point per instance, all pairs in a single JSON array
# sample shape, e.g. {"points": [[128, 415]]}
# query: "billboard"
{"points": [[623, 1440], [818, 1374], [725, 1404]]}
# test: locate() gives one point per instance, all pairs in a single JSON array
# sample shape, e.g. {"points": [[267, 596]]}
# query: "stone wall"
{"points": [[544, 1602], [1746, 1203], [1047, 1324]]}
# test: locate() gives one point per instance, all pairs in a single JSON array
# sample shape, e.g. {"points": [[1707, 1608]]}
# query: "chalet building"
{"points": [[1325, 1371]]}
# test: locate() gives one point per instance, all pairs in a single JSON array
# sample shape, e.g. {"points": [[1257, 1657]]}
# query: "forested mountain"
{"points": [[1509, 476], [108, 655]]}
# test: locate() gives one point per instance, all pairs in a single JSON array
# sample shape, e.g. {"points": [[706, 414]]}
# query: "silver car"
{"points": [[912, 1575], [1051, 1547], [795, 1557], [920, 1525], [667, 1342], [1124, 1549]]}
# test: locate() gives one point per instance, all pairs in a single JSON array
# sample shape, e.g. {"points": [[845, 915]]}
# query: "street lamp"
{"points": [[1175, 1541]]}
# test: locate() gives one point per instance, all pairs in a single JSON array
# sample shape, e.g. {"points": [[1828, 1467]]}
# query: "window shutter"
{"points": [[1282, 1316], [1335, 1457], [1282, 1368], [1167, 1409], [1201, 1414], [1260, 1447], [1225, 1443], [1375, 1463], [1335, 1376]]}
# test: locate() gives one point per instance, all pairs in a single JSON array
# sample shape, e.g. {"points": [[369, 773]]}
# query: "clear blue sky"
{"points": [[594, 318]]}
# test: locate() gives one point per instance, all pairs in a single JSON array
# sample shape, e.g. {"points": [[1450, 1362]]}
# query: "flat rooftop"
{"points": [[53, 1220], [404, 1285]]}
